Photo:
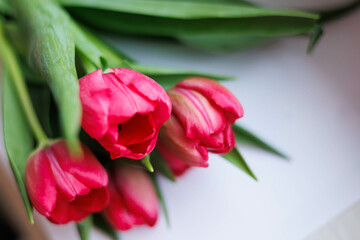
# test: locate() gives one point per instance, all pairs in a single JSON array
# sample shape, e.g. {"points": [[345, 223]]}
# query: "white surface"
{"points": [[307, 106]]}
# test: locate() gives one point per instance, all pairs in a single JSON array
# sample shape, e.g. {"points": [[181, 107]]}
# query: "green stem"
{"points": [[8, 57]]}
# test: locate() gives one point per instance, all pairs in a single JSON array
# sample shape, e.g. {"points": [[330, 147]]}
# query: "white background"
{"points": [[307, 106]]}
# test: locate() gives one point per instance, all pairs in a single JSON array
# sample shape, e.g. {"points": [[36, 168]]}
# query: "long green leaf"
{"points": [[84, 228], [245, 136], [235, 157], [52, 52], [222, 43], [167, 77], [101, 223], [184, 10], [18, 139], [159, 26], [161, 198]]}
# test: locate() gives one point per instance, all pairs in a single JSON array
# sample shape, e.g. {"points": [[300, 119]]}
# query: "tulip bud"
{"points": [[65, 188], [123, 110], [133, 198], [203, 111]]}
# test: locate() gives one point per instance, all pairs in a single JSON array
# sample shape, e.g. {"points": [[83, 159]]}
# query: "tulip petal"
{"points": [[138, 192], [172, 135], [125, 101], [140, 150], [143, 85], [95, 201], [65, 212], [136, 130], [221, 143], [95, 99], [116, 213], [217, 93], [199, 117], [175, 164], [87, 169], [40, 183]]}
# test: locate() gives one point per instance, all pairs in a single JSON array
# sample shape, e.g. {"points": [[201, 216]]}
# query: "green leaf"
{"points": [[41, 100], [51, 50], [184, 10], [161, 165], [18, 139], [159, 26], [314, 39], [167, 77], [101, 223], [84, 228], [237, 159], [245, 136], [222, 43], [5, 7], [161, 198], [147, 164]]}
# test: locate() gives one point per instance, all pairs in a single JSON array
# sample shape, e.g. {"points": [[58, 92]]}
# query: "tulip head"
{"points": [[203, 111], [63, 187], [133, 198], [123, 110]]}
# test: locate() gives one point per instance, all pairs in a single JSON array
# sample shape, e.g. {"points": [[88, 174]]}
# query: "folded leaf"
{"points": [[245, 136], [51, 49], [237, 159]]}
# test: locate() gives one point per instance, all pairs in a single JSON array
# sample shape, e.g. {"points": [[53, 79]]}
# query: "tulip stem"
{"points": [[9, 60]]}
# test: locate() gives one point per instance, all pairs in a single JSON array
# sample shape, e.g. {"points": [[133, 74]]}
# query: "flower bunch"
{"points": [[87, 129]]}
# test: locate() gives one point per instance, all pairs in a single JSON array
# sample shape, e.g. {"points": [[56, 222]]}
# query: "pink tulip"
{"points": [[65, 188], [123, 110], [133, 199], [203, 111]]}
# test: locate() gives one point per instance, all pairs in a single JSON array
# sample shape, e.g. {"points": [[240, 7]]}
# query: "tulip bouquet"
{"points": [[87, 129]]}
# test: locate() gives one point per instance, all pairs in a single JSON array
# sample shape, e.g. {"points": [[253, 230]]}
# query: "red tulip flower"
{"points": [[133, 198], [65, 188], [123, 110], [203, 111]]}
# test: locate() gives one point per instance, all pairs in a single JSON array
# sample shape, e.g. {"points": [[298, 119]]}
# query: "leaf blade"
{"points": [[185, 10], [51, 48], [84, 228], [235, 157], [244, 135], [16, 130]]}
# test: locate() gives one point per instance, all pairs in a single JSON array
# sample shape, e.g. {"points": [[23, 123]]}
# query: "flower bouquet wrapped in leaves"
{"points": [[87, 128]]}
